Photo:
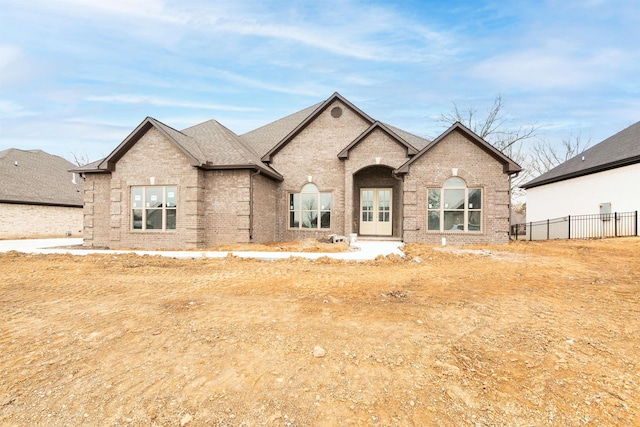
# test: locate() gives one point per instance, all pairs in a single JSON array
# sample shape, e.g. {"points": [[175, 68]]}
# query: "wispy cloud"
{"points": [[93, 68], [10, 109], [9, 54], [145, 9], [305, 89], [347, 28], [549, 68], [162, 102]]}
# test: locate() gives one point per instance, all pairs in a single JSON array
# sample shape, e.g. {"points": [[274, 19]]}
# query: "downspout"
{"points": [[251, 203], [511, 176]]}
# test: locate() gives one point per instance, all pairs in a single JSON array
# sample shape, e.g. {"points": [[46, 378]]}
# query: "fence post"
{"points": [[547, 229], [636, 223], [531, 229], [615, 224], [569, 227]]}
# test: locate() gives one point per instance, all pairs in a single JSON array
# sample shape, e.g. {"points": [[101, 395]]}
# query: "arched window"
{"points": [[309, 205], [454, 207]]}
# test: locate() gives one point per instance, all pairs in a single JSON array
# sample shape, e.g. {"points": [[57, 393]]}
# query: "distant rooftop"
{"points": [[36, 177], [621, 149]]}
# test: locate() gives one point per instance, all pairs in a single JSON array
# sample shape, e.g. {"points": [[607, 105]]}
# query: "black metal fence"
{"points": [[596, 226]]}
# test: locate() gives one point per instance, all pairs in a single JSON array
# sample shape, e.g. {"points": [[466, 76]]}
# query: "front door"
{"points": [[375, 211]]}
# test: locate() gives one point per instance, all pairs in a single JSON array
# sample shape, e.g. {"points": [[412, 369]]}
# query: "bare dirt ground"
{"points": [[530, 334]]}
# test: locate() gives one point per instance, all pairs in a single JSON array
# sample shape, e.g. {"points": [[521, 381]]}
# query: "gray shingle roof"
{"points": [[36, 177], [268, 136], [415, 140], [186, 142], [210, 145], [621, 149], [222, 148]]}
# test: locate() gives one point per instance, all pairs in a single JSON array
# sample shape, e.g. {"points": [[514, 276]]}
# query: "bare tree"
{"points": [[80, 159], [493, 128], [497, 130], [545, 156]]}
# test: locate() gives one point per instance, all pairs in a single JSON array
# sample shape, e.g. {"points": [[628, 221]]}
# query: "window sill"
{"points": [[456, 232], [153, 231]]}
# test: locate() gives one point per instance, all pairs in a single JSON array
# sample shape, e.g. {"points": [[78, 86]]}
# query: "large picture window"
{"points": [[309, 208], [454, 207], [153, 208]]}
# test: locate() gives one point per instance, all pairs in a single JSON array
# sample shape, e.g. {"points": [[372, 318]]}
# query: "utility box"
{"points": [[605, 211]]}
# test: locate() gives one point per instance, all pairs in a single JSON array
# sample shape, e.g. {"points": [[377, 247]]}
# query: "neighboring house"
{"points": [[606, 176], [328, 169], [38, 195]]}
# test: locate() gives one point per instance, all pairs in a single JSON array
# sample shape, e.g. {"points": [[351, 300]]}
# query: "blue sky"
{"points": [[77, 76]]}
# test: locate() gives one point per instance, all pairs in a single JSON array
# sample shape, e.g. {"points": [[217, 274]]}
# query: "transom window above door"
{"points": [[310, 209]]}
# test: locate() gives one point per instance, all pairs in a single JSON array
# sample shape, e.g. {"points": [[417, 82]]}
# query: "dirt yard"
{"points": [[530, 334]]}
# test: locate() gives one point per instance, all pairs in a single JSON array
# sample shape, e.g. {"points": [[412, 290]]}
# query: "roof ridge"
{"points": [[314, 106], [199, 155], [167, 126], [236, 142], [617, 150]]}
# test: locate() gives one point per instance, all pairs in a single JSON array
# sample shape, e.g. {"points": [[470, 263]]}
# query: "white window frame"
{"points": [[319, 207], [145, 203], [439, 208]]}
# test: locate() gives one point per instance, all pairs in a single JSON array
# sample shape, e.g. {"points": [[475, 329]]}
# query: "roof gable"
{"points": [[37, 177], [508, 165], [302, 125], [185, 143], [208, 145], [411, 150], [621, 149]]}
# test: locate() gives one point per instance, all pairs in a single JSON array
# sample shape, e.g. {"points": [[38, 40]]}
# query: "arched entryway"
{"points": [[377, 207]]}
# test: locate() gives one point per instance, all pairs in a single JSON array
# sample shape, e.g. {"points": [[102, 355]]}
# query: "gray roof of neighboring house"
{"points": [[621, 149], [39, 178]]}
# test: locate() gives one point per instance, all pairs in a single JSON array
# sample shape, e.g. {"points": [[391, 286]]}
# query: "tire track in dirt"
{"points": [[544, 336]]}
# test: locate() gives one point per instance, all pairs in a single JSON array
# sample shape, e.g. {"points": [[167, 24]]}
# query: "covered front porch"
{"points": [[377, 203]]}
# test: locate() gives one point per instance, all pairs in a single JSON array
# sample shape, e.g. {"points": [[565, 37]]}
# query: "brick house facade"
{"points": [[39, 197], [328, 169]]}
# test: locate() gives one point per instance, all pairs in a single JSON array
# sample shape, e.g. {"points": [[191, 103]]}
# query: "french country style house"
{"points": [[328, 169]]}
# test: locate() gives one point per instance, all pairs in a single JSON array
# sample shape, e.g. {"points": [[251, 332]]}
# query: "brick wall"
{"points": [[153, 156], [478, 169], [214, 207], [19, 220], [264, 209], [96, 210], [314, 153], [227, 207], [362, 170]]}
